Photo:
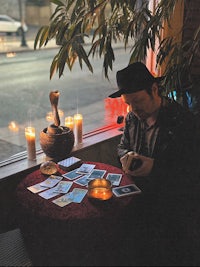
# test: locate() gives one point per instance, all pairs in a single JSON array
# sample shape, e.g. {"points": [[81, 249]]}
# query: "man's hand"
{"points": [[124, 161], [144, 169]]}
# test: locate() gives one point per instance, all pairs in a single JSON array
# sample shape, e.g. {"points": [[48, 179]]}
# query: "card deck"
{"points": [[69, 163]]}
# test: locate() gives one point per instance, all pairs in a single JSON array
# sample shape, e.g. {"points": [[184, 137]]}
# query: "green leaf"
{"points": [[57, 2], [83, 55], [54, 67], [40, 36]]}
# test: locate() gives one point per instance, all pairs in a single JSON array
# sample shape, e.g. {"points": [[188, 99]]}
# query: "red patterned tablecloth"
{"points": [[89, 233], [36, 205]]}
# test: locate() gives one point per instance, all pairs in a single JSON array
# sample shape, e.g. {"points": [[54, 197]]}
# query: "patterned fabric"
{"points": [[40, 207], [89, 233], [12, 249]]}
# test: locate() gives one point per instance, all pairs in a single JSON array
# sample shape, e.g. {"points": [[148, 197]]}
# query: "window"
{"points": [[25, 85], [25, 88]]}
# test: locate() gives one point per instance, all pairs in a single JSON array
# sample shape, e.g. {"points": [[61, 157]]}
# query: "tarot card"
{"points": [[126, 190], [72, 175], [96, 174], [49, 193], [63, 187], [85, 168], [114, 178], [78, 194], [63, 200], [36, 188], [69, 163], [51, 181], [82, 180]]}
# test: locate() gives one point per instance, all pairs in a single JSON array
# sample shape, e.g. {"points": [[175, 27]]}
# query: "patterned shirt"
{"points": [[139, 136]]}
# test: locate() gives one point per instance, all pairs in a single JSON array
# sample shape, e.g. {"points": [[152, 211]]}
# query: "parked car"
{"points": [[9, 25]]}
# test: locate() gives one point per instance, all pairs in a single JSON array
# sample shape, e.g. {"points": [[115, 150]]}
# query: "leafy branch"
{"points": [[110, 21]]}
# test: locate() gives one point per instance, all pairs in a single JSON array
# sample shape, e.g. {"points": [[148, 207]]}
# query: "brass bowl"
{"points": [[100, 188]]}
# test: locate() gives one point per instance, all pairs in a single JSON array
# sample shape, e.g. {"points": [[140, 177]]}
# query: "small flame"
{"points": [[49, 115], [11, 54], [13, 126]]}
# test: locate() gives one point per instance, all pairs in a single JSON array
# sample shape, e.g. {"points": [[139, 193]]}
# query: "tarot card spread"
{"points": [[75, 196]]}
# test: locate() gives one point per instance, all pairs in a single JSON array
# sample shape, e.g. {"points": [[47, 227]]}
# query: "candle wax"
{"points": [[30, 140], [78, 128]]}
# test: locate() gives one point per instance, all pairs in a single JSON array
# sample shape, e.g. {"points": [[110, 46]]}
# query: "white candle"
{"points": [[69, 122], [30, 141], [78, 128]]}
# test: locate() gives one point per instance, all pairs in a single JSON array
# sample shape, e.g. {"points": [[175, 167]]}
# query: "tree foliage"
{"points": [[130, 22]]}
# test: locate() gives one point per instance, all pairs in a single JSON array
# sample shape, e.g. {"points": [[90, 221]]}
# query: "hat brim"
{"points": [[117, 94], [123, 91]]}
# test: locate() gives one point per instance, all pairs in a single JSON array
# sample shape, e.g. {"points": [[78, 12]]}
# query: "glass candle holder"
{"points": [[100, 188]]}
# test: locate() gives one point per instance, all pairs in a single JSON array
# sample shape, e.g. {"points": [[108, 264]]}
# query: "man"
{"points": [[164, 139]]}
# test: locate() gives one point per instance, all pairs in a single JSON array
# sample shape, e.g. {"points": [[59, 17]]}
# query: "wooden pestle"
{"points": [[54, 96], [54, 128]]}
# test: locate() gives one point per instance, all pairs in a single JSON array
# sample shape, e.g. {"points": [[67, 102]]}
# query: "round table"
{"points": [[88, 229]]}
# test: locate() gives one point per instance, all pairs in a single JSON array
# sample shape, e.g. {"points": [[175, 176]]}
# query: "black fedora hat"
{"points": [[135, 77]]}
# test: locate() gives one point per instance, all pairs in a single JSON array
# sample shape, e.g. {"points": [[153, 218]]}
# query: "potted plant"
{"points": [[134, 24]]}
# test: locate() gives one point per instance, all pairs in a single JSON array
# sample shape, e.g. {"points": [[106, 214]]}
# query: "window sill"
{"points": [[23, 165]]}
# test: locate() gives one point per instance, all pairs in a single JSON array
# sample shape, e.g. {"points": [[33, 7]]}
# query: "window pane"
{"points": [[25, 88]]}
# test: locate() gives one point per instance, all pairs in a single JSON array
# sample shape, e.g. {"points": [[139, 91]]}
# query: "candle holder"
{"points": [[100, 188]]}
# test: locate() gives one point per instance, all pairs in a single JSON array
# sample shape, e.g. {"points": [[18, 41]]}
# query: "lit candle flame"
{"points": [[69, 122], [11, 54], [13, 126], [49, 115]]}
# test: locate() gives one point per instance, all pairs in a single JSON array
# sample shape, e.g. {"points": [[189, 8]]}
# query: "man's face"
{"points": [[142, 104]]}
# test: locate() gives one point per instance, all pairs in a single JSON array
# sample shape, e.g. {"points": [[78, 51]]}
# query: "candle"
{"points": [[100, 188], [78, 128], [49, 115], [101, 193], [30, 141], [69, 122]]}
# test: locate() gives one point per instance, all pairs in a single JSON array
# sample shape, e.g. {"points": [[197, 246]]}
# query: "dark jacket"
{"points": [[176, 152], [167, 211]]}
